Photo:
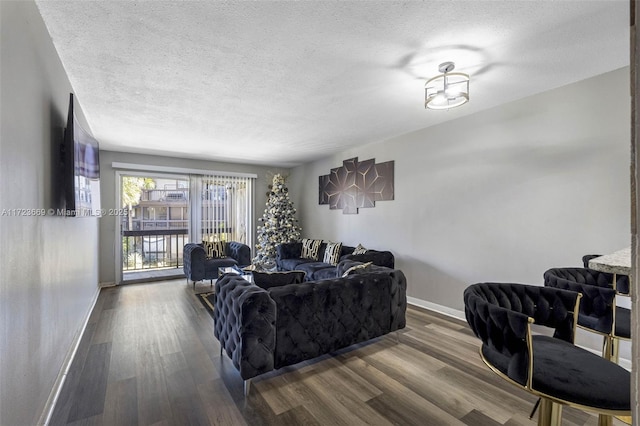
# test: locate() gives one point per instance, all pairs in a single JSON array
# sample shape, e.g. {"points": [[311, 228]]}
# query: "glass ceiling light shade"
{"points": [[447, 90]]}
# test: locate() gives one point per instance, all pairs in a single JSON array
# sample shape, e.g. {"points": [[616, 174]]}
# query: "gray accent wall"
{"points": [[109, 242], [500, 195], [49, 270]]}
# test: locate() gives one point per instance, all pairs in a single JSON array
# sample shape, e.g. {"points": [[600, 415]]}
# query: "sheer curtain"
{"points": [[222, 208]]}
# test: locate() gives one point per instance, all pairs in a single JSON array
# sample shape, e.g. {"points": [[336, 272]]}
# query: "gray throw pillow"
{"points": [[360, 249], [358, 269]]}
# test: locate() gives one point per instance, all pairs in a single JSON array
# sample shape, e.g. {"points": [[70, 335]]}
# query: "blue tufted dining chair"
{"points": [[622, 281], [597, 313], [553, 368]]}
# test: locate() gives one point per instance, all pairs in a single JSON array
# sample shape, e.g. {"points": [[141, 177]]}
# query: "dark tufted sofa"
{"points": [[288, 258], [262, 330], [197, 267]]}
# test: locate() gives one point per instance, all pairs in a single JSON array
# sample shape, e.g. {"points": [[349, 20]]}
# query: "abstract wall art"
{"points": [[357, 184]]}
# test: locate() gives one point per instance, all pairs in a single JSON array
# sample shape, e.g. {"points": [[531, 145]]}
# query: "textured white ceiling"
{"points": [[281, 83]]}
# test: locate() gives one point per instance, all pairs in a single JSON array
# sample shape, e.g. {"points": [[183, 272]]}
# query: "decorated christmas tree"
{"points": [[278, 224]]}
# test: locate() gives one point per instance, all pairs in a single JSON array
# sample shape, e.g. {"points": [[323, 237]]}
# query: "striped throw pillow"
{"points": [[214, 249], [310, 248], [332, 253]]}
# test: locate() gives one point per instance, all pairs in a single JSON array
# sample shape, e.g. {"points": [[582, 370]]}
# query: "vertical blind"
{"points": [[222, 208]]}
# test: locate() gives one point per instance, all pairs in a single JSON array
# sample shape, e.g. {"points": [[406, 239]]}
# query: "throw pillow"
{"points": [[357, 269], [214, 249], [310, 248], [208, 248], [332, 253], [360, 249], [267, 280]]}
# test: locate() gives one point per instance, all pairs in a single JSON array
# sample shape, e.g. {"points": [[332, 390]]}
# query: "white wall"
{"points": [[49, 272], [501, 195], [108, 244]]}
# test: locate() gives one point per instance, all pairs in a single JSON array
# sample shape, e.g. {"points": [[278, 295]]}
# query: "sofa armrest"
{"points": [[398, 300], [380, 258], [288, 251], [193, 257], [240, 252], [245, 325], [398, 289]]}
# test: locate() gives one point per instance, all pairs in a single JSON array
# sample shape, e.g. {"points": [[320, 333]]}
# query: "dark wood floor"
{"points": [[149, 357]]}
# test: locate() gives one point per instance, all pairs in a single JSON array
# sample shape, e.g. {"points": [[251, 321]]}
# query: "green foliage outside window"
{"points": [[132, 187]]}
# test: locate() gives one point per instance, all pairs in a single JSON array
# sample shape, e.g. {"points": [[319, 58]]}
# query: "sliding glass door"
{"points": [[154, 225], [163, 211]]}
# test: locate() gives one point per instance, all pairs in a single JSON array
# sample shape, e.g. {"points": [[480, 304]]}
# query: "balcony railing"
{"points": [[170, 195], [155, 224], [153, 249]]}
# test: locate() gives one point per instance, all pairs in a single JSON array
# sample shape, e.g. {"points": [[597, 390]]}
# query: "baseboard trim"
{"points": [[50, 405], [441, 309], [107, 284], [458, 314]]}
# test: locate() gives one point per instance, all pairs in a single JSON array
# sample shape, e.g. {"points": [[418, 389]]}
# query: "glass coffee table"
{"points": [[235, 270]]}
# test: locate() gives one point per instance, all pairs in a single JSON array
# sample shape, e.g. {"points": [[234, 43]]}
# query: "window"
{"points": [[225, 208]]}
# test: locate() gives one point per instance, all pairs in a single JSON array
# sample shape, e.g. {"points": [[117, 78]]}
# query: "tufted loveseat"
{"points": [[289, 258], [262, 330]]}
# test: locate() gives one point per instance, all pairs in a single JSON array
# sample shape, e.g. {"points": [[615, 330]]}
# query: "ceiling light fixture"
{"points": [[447, 90]]}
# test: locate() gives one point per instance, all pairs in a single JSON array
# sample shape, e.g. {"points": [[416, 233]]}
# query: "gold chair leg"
{"points": [[604, 420], [615, 349], [549, 413], [611, 348], [607, 348]]}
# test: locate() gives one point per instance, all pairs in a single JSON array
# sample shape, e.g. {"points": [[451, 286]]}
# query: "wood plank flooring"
{"points": [[149, 357]]}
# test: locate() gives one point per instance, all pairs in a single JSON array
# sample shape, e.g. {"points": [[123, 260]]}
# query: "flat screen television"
{"points": [[80, 169]]}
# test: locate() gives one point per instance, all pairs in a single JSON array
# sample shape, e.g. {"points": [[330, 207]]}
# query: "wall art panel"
{"points": [[357, 184]]}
